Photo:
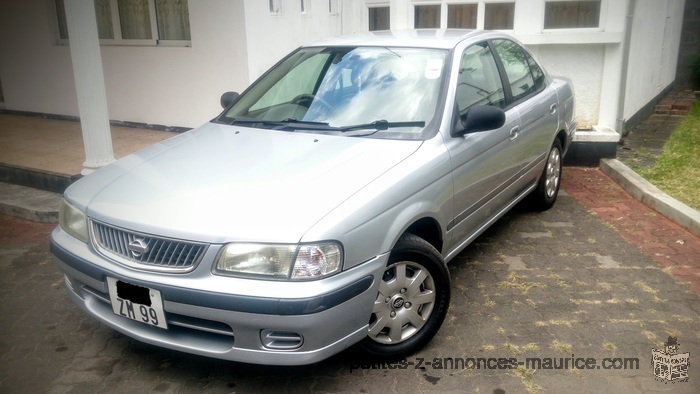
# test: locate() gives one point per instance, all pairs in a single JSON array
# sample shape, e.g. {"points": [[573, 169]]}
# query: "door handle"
{"points": [[514, 132], [553, 109]]}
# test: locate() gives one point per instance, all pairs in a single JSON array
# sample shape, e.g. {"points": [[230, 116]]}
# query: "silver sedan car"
{"points": [[319, 210]]}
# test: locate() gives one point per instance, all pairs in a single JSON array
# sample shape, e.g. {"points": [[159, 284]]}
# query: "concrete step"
{"points": [[38, 179], [29, 203], [675, 104]]}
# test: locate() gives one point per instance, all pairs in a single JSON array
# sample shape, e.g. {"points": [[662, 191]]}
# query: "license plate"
{"points": [[137, 303]]}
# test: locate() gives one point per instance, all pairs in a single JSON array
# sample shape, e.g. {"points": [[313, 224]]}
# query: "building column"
{"points": [[89, 83], [400, 14]]}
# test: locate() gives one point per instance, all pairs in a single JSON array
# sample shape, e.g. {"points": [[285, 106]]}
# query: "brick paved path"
{"points": [[665, 242]]}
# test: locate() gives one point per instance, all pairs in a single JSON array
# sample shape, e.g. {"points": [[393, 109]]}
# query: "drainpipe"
{"points": [[625, 65]]}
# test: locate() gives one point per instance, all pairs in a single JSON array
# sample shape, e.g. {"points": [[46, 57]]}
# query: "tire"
{"points": [[544, 196], [412, 301]]}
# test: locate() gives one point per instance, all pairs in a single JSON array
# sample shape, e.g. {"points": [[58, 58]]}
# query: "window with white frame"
{"points": [[499, 16], [379, 18], [569, 14], [136, 22], [468, 14], [462, 16], [426, 16]]}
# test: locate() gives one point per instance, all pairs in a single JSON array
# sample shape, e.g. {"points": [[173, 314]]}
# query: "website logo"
{"points": [[668, 365]]}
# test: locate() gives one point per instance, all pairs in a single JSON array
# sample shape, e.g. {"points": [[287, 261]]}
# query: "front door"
{"points": [[483, 163]]}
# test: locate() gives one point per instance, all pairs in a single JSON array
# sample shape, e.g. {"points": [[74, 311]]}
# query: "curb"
{"points": [[652, 196]]}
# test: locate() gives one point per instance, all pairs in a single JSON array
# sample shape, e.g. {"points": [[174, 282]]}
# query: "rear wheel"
{"points": [[544, 196], [413, 298]]}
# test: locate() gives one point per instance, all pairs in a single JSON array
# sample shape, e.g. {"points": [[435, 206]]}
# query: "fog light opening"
{"points": [[281, 340]]}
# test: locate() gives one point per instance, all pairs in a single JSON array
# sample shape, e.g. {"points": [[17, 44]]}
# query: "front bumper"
{"points": [[302, 327]]}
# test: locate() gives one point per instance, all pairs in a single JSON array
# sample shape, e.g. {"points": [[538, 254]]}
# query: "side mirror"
{"points": [[480, 118], [228, 98]]}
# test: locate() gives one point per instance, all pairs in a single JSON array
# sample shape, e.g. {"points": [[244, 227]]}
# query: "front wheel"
{"points": [[413, 298], [544, 196]]}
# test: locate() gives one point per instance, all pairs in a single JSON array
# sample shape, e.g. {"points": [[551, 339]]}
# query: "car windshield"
{"points": [[387, 92]]}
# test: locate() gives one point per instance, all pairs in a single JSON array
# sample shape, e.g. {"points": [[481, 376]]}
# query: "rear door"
{"points": [[534, 99]]}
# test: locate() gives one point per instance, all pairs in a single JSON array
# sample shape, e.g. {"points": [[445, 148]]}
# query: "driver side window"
{"points": [[479, 82]]}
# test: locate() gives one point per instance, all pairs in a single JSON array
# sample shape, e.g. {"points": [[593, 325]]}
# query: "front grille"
{"points": [[146, 251]]}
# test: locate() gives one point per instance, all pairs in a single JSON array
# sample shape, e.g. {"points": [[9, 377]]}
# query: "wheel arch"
{"points": [[428, 229], [561, 136]]}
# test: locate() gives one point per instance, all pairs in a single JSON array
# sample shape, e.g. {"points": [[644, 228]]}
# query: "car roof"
{"points": [[424, 38]]}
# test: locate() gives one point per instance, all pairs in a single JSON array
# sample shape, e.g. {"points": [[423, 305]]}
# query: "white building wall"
{"points": [[36, 74], [569, 60], [172, 86], [272, 35], [180, 86], [653, 55]]}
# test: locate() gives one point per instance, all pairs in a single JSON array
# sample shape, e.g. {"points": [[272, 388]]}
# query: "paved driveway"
{"points": [[563, 288]]}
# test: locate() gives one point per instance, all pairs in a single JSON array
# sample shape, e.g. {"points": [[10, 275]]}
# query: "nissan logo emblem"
{"points": [[138, 247]]}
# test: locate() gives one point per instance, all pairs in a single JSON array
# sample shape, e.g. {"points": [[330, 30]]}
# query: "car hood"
{"points": [[223, 183]]}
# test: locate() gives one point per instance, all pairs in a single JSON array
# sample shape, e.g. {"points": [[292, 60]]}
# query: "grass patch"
{"points": [[563, 348], [516, 282], [677, 170], [526, 377]]}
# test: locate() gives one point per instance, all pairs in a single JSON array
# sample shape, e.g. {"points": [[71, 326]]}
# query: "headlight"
{"points": [[73, 221], [312, 261]]}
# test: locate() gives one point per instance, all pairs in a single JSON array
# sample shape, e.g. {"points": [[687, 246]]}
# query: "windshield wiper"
{"points": [[282, 124], [303, 122], [292, 124], [380, 125]]}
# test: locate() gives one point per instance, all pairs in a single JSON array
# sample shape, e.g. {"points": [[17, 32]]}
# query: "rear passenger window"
{"points": [[478, 82], [517, 66], [537, 74]]}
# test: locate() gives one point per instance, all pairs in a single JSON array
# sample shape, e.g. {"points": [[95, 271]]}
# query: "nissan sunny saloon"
{"points": [[318, 211]]}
